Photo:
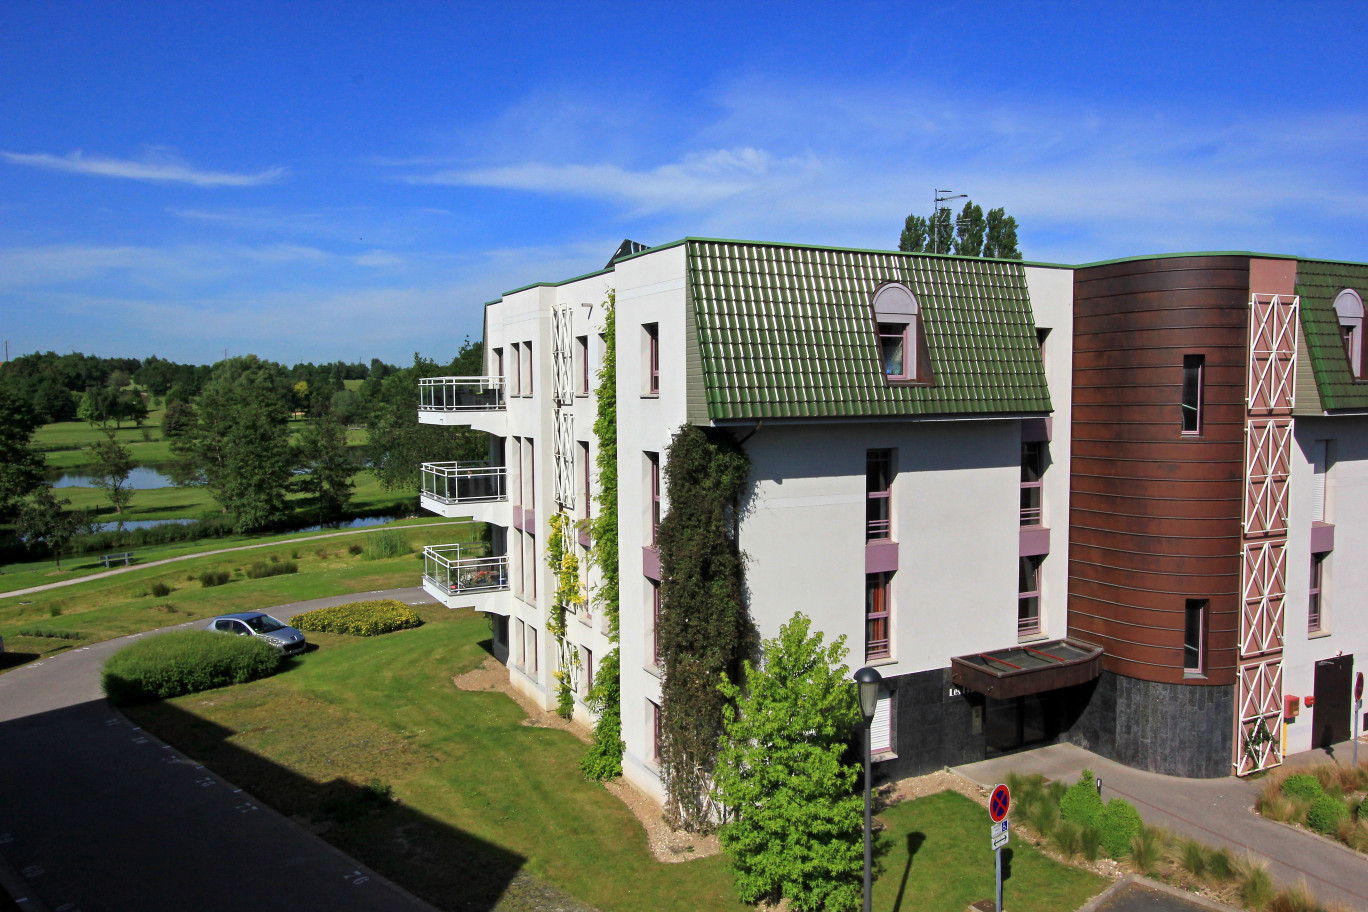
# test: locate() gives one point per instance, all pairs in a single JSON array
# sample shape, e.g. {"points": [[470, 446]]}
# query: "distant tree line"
{"points": [[971, 234]]}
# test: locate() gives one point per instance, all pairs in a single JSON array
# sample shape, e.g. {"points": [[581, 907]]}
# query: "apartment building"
{"points": [[1046, 502]]}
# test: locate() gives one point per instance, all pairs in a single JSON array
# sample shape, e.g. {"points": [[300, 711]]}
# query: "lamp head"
{"points": [[867, 681]]}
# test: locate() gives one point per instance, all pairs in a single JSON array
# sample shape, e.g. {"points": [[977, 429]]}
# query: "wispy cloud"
{"points": [[159, 166]]}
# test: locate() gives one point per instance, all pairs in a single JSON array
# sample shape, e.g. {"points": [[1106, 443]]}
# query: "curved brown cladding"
{"points": [[1155, 515]]}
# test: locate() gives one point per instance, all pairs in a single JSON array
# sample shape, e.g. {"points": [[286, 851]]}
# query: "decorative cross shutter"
{"points": [[881, 729]]}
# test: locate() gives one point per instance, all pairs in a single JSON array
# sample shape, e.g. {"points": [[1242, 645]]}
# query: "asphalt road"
{"points": [[96, 814]]}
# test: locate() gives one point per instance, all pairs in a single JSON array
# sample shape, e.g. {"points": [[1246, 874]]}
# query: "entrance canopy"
{"points": [[1028, 669]]}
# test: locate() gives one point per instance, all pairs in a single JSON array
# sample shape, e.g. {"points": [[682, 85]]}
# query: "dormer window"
{"points": [[898, 319], [1349, 310]]}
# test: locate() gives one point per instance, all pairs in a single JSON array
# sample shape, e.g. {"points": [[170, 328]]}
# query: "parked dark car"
{"points": [[256, 623]]}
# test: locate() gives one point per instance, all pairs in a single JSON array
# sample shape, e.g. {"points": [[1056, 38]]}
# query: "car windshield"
{"points": [[263, 623]]}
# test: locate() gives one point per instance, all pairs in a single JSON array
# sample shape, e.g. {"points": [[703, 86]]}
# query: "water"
{"points": [[359, 523], [138, 524], [140, 479]]}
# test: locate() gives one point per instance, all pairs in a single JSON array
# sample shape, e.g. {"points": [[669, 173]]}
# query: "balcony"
{"points": [[462, 576], [476, 402], [473, 489]]}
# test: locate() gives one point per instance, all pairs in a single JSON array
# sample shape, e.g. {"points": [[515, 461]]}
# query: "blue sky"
{"points": [[338, 180]]}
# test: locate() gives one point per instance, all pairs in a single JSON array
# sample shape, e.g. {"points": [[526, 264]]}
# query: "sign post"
{"points": [[1358, 713], [999, 803]]}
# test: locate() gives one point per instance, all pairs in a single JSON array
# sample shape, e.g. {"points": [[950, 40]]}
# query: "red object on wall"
{"points": [[1291, 707], [1310, 702]]}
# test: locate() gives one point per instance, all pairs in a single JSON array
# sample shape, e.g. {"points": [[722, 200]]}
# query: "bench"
{"points": [[126, 557]]}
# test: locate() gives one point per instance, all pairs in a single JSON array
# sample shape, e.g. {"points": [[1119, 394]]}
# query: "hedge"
{"points": [[185, 661], [360, 618], [1120, 823], [1081, 802], [1303, 786], [1327, 812]]}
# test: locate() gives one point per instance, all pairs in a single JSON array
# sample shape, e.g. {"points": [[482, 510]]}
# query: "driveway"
{"points": [[97, 814], [1219, 812]]}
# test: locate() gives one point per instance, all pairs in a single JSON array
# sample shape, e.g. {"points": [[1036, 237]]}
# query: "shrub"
{"points": [[214, 578], [1090, 842], [294, 554], [1362, 813], [185, 661], [1256, 886], [1042, 815], [389, 543], [50, 633], [1326, 814], [1147, 849], [1220, 864], [1081, 803], [1295, 899], [1068, 837], [55, 611], [260, 569], [1119, 822], [1303, 786], [160, 589], [1192, 855], [354, 548], [360, 618]]}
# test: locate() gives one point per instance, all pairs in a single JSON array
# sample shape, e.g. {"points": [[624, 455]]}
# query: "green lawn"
{"points": [[65, 442], [483, 796], [114, 606]]}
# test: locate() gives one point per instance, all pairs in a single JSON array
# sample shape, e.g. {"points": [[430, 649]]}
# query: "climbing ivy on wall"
{"points": [[560, 554], [604, 757], [704, 631]]}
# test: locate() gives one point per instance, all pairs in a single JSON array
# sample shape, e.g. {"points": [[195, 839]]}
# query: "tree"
{"points": [[112, 463], [178, 418], [942, 232], [969, 230], [1001, 241], [238, 445], [325, 467], [21, 467], [42, 521], [782, 773], [704, 631], [914, 234]]}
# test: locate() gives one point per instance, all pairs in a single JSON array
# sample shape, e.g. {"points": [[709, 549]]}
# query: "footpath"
{"points": [[1219, 812]]}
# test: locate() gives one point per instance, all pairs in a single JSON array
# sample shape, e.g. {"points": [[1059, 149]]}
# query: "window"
{"points": [[501, 630], [520, 657], [1320, 462], [588, 669], [531, 370], [584, 477], [530, 475], [1032, 470], [1194, 636], [532, 649], [532, 568], [653, 468], [878, 501], [655, 623], [876, 616], [897, 318], [515, 375], [881, 726], [582, 356], [1194, 366], [516, 567], [651, 352], [1028, 595], [498, 363], [653, 709], [516, 461], [1313, 603], [1349, 310]]}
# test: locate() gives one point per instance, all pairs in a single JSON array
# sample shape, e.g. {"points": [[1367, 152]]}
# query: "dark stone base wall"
{"points": [[1162, 728], [1175, 729]]}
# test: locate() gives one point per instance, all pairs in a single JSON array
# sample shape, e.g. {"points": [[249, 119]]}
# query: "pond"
{"points": [[141, 478], [358, 523]]}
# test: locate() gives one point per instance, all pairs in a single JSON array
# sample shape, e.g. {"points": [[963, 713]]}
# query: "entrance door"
{"points": [[1020, 723], [1334, 698]]}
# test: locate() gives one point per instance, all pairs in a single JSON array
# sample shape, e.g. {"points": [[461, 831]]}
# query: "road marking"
{"points": [[140, 740], [205, 782], [356, 878], [246, 808], [32, 871]]}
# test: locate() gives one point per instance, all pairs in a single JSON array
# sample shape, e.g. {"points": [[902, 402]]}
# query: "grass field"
{"points": [[123, 604], [483, 796], [65, 443]]}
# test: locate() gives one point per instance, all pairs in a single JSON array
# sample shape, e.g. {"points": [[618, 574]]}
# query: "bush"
{"points": [[1192, 855], [1326, 814], [185, 661], [1303, 786], [214, 578], [360, 618], [50, 633], [1256, 886], [1081, 804], [261, 569], [1119, 823], [160, 589], [390, 543], [1362, 813], [1147, 849], [1068, 837]]}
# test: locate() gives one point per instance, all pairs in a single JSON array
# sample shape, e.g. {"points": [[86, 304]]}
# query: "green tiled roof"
{"points": [[1318, 282], [788, 332]]}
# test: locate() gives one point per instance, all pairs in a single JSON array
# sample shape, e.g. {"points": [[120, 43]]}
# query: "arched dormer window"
{"points": [[899, 324], [1349, 310]]}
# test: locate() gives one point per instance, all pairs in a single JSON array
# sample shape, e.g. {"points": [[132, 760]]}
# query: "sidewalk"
{"points": [[1218, 812]]}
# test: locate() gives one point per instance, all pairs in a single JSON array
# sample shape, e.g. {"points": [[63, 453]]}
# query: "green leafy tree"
{"points": [[969, 230], [98, 405], [325, 468], [21, 467], [238, 446], [1001, 237], [704, 631], [178, 418], [914, 234], [942, 232], [796, 816], [113, 463], [42, 521]]}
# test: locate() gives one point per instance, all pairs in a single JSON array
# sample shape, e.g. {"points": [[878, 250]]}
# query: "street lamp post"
{"points": [[867, 682]]}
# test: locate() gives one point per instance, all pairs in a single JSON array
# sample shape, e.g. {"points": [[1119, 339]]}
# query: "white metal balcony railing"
{"points": [[446, 568], [458, 394], [464, 482]]}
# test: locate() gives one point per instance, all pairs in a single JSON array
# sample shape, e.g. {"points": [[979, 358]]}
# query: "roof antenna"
{"points": [[942, 196]]}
